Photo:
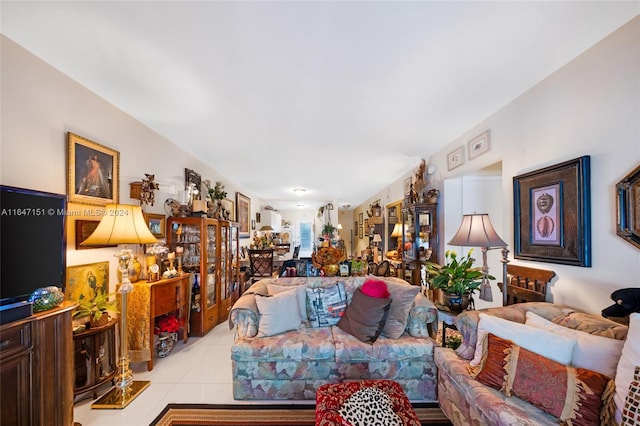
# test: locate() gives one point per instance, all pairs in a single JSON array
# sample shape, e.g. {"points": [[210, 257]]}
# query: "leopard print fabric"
{"points": [[369, 407]]}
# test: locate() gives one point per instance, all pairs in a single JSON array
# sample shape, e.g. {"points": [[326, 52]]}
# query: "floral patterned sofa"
{"points": [[293, 364], [467, 401]]}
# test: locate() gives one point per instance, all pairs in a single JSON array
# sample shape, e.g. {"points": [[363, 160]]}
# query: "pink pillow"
{"points": [[375, 288]]}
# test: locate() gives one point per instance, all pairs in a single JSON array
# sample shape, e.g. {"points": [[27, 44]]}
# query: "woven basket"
{"points": [[104, 320]]}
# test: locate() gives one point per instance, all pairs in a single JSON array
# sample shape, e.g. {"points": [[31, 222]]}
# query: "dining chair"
{"points": [[261, 262], [296, 252]]}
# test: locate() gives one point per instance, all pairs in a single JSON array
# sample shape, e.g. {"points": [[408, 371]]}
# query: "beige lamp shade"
{"points": [[377, 238], [397, 230], [476, 231], [121, 224], [266, 228]]}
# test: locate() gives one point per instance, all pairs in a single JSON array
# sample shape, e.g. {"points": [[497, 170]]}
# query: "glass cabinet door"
{"points": [[211, 264], [224, 253], [423, 233], [408, 237], [187, 236]]}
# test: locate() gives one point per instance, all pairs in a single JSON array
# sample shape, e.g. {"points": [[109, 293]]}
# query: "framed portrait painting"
{"points": [[552, 214], [628, 207], [92, 172], [243, 210]]}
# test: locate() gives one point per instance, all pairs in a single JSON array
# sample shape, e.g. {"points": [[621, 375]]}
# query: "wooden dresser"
{"points": [[36, 368]]}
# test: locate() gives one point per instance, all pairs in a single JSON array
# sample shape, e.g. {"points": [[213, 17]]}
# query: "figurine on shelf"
{"points": [[413, 195], [179, 233], [147, 191]]}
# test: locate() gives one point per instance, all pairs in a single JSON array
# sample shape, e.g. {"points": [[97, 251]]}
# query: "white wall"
{"points": [[40, 105], [591, 106]]}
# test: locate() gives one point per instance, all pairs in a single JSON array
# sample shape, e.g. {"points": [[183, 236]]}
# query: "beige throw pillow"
{"points": [[401, 302]]}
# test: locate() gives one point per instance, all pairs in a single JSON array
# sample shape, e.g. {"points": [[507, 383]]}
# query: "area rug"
{"points": [[265, 415]]}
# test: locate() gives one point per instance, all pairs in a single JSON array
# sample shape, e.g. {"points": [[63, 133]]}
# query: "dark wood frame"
{"points": [[191, 176], [628, 207], [84, 228], [573, 245], [78, 151], [243, 210], [148, 217]]}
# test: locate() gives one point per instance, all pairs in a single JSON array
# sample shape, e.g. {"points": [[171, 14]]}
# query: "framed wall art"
{"points": [[92, 172], [156, 224], [194, 180], [628, 207], [243, 206], [361, 231], [84, 228], [87, 281], [552, 214], [455, 158], [479, 145], [230, 206]]}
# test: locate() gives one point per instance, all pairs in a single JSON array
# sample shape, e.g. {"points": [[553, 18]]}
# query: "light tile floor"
{"points": [[198, 372]]}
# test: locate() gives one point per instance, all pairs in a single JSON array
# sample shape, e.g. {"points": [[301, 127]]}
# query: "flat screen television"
{"points": [[32, 242]]}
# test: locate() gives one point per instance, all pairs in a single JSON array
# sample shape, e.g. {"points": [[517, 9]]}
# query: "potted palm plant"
{"points": [[457, 279], [96, 310]]}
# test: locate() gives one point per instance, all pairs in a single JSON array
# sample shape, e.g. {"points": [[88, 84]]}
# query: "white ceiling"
{"points": [[340, 98]]}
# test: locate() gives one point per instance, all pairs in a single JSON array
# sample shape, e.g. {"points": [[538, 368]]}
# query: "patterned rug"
{"points": [[265, 415]]}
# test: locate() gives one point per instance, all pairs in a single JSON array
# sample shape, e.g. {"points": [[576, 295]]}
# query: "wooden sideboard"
{"points": [[148, 301], [36, 368]]}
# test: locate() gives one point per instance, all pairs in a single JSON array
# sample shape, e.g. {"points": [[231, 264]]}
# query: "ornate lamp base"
{"points": [[120, 398]]}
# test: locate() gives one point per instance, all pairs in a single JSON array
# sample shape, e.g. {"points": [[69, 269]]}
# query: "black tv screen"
{"points": [[33, 248]]}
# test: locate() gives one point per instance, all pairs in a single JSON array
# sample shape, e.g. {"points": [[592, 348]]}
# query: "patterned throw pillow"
{"points": [[326, 305], [631, 411], [573, 395], [369, 407]]}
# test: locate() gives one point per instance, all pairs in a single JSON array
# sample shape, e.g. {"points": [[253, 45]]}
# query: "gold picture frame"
{"points": [[157, 224], [243, 205], [93, 172], [230, 206]]}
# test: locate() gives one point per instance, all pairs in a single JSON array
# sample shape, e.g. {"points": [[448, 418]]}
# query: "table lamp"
{"points": [[397, 233], [377, 239], [122, 224], [476, 231]]}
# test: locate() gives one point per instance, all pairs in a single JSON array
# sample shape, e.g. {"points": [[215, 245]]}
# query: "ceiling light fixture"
{"points": [[299, 191]]}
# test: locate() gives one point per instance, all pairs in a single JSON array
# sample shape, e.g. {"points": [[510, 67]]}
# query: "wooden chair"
{"points": [[261, 262], [526, 284]]}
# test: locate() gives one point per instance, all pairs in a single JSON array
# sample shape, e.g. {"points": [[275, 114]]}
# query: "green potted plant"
{"points": [[328, 230], [457, 279], [97, 309]]}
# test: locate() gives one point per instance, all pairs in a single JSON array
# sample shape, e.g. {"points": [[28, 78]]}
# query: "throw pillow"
{"points": [[365, 316], [492, 372], [301, 292], [375, 288], [401, 302], [628, 360], [325, 305], [277, 313], [573, 395], [553, 346], [631, 411], [368, 407], [595, 353]]}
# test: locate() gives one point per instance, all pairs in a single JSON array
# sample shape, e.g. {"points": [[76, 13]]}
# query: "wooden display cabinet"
{"points": [[419, 240], [208, 256]]}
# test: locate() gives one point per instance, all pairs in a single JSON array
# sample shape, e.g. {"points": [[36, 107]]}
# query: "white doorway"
{"points": [[475, 194]]}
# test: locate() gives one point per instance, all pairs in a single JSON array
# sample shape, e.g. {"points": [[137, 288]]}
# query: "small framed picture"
{"points": [[479, 145], [344, 269], [455, 158], [156, 224]]}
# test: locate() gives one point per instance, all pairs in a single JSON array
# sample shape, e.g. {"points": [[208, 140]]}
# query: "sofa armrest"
{"points": [[467, 322], [244, 313], [422, 313]]}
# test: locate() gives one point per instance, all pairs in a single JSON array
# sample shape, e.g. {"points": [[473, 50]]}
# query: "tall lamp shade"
{"points": [[476, 230], [122, 224]]}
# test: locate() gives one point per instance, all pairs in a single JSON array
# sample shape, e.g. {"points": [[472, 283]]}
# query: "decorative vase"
{"points": [[331, 270], [456, 302], [135, 267], [165, 343]]}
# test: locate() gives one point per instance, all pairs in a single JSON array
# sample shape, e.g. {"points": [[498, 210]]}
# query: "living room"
{"points": [[589, 106]]}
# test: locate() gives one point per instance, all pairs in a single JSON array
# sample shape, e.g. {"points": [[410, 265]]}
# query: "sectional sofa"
{"points": [[269, 363]]}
